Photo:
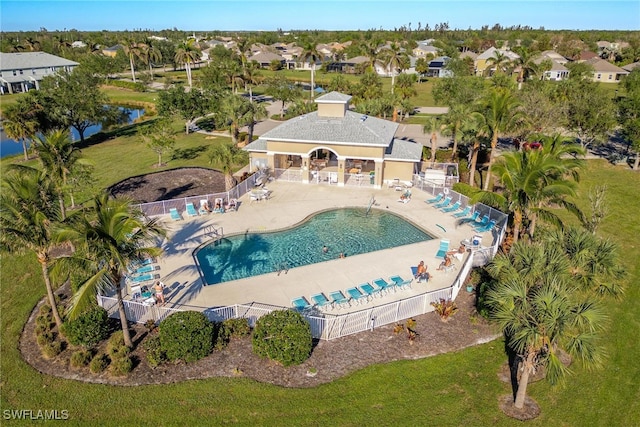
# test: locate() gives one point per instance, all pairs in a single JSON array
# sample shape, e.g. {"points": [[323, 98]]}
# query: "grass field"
{"points": [[447, 390]]}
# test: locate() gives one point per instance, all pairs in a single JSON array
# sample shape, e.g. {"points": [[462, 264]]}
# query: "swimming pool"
{"points": [[351, 231]]}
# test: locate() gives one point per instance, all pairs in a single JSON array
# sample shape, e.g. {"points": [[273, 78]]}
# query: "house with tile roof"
{"points": [[22, 71], [557, 71], [265, 59], [606, 72], [481, 60], [337, 146]]}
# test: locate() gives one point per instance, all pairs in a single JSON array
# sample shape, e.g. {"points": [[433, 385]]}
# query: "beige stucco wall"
{"points": [[604, 77], [331, 110], [401, 170]]}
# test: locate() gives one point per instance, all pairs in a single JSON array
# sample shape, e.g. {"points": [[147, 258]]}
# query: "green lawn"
{"points": [[447, 390]]}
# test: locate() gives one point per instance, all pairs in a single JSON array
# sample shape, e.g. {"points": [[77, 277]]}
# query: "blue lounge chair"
{"points": [[400, 282], [481, 223], [369, 290], [384, 285], [175, 215], [435, 199], [142, 278], [452, 208], [356, 295], [488, 227], [472, 218], [463, 213], [442, 250], [145, 269], [300, 304], [444, 203], [338, 299], [191, 210], [320, 300]]}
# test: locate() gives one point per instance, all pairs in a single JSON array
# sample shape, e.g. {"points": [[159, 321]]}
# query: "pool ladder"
{"points": [[213, 231], [283, 266]]}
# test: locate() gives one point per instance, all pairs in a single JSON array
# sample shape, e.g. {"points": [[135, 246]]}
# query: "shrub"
{"points": [[44, 321], [136, 87], [187, 336], [121, 365], [116, 347], [52, 349], [80, 358], [99, 363], [153, 351], [445, 308], [89, 328], [46, 337], [45, 310], [283, 336], [237, 327]]}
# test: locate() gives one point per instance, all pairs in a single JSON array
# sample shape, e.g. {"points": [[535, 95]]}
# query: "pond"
{"points": [[9, 147]]}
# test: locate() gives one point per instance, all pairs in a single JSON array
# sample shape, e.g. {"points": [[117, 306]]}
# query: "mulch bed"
{"points": [[331, 359], [170, 184]]}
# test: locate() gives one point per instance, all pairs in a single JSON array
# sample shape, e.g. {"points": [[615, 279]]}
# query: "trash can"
{"points": [[372, 178]]}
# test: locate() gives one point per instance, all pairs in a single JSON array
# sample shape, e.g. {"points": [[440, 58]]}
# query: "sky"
{"points": [[270, 15]]}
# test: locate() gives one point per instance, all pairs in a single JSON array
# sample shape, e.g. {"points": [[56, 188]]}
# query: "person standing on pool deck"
{"points": [[159, 288]]}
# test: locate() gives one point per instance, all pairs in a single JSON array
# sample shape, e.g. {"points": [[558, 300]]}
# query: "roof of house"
{"points": [[399, 149], [25, 60], [352, 129], [555, 65], [491, 53], [469, 54], [356, 60], [602, 66], [631, 67], [586, 55], [266, 57], [333, 97]]}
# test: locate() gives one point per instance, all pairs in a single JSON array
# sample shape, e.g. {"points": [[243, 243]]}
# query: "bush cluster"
{"points": [[136, 87], [154, 352], [283, 336], [228, 329], [121, 363], [80, 358], [99, 363], [186, 336], [89, 328]]}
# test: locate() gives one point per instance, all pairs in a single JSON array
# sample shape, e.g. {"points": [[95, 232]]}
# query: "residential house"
{"points": [[425, 49], [554, 56], [266, 58], [481, 64], [437, 67], [606, 72], [20, 72], [558, 71], [353, 65], [631, 67], [111, 51], [337, 146]]}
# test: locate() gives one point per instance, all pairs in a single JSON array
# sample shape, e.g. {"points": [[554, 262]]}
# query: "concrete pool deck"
{"points": [[288, 205]]}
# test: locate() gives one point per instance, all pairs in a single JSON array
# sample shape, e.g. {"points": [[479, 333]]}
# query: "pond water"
{"points": [[9, 147]]}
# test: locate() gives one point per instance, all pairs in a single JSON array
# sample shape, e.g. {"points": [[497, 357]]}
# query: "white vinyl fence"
{"points": [[324, 326]]}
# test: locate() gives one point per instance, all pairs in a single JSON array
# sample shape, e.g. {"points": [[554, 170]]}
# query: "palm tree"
{"points": [[59, 158], [498, 114], [540, 313], [453, 122], [28, 214], [150, 54], [532, 182], [251, 76], [471, 131], [254, 113], [187, 54], [232, 111], [20, 122], [432, 126], [499, 61], [107, 239], [395, 58], [32, 44], [370, 48], [527, 66], [133, 49], [225, 156], [310, 53]]}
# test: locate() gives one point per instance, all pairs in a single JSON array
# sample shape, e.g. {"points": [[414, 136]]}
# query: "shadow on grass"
{"points": [[188, 153]]}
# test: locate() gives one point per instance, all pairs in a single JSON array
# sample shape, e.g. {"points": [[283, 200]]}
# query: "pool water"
{"points": [[350, 231]]}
